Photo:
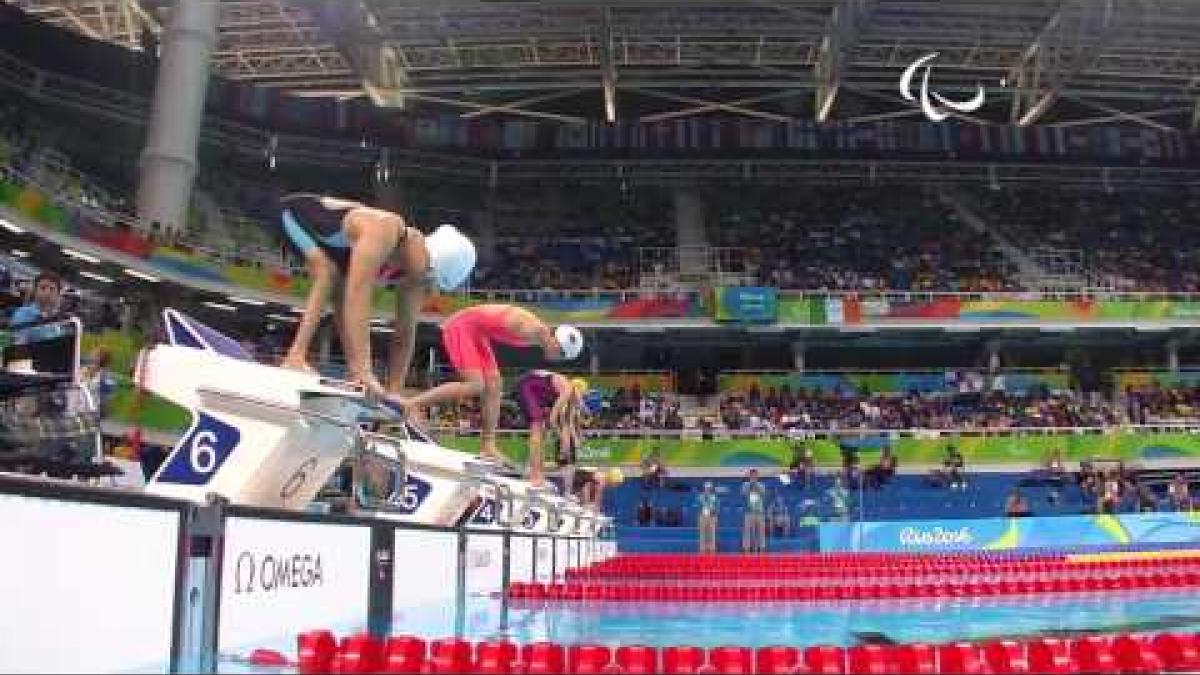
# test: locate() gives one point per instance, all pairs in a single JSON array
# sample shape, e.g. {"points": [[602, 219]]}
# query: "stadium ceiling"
{"points": [[1063, 62]]}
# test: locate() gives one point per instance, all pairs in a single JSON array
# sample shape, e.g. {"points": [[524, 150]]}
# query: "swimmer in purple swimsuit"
{"points": [[539, 391]]}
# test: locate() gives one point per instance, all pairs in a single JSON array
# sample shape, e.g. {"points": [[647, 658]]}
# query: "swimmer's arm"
{"points": [[324, 277], [558, 413], [404, 337], [545, 338]]}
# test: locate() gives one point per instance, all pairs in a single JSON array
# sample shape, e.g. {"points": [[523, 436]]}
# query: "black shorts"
{"points": [[307, 223]]}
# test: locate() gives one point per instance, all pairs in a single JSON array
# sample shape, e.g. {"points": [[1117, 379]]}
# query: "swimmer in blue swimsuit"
{"points": [[347, 243]]}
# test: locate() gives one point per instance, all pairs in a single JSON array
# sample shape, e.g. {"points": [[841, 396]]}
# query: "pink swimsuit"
{"points": [[468, 336]]}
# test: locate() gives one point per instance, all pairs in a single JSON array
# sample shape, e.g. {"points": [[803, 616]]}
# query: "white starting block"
{"points": [[273, 437]]}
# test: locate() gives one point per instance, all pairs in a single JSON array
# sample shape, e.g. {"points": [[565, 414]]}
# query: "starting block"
{"points": [[273, 437]]}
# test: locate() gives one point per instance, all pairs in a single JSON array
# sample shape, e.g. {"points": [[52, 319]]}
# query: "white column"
{"points": [[168, 164]]}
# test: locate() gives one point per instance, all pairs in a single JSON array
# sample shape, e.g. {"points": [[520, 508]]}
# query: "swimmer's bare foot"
{"points": [[292, 363], [404, 406]]}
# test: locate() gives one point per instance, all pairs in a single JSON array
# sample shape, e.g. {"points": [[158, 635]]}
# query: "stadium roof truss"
{"points": [[1058, 62]]}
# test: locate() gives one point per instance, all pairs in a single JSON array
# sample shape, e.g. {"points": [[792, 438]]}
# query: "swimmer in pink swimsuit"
{"points": [[467, 336], [552, 400]]}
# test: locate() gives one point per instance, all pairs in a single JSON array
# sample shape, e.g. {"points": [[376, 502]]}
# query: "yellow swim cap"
{"points": [[580, 385]]}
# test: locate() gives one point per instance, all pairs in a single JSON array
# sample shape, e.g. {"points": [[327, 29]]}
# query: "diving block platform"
{"points": [[273, 437]]}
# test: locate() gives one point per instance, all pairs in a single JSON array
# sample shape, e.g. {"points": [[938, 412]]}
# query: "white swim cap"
{"points": [[570, 340], [451, 255]]}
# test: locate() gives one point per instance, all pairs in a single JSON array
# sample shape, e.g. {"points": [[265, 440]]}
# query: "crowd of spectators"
{"points": [[1143, 240], [620, 410], [1155, 404], [575, 237], [817, 237], [785, 410], [858, 238], [782, 411]]}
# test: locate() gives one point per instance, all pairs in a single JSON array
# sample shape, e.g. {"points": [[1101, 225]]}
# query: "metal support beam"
{"points": [[569, 119], [359, 37], [1070, 42], [841, 36], [1142, 118], [518, 107], [1196, 116], [608, 68], [82, 25], [709, 107], [714, 105], [892, 98]]}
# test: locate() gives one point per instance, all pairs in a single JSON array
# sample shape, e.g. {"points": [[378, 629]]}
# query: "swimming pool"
{"points": [[798, 624], [841, 623]]}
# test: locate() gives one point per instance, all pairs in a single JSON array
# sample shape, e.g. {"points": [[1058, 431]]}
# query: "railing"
{"points": [[1028, 296], [809, 434], [887, 371]]}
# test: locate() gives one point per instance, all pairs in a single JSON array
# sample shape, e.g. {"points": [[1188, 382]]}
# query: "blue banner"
{"points": [[747, 304], [1001, 534]]}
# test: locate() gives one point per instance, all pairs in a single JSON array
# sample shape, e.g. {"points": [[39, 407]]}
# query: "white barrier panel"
{"points": [[426, 573], [544, 566], [279, 578], [485, 564], [520, 560], [561, 558], [606, 550], [485, 581], [86, 587]]}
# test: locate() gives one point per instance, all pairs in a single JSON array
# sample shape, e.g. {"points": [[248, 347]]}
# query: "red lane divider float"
{"points": [[319, 652], [845, 589], [750, 567]]}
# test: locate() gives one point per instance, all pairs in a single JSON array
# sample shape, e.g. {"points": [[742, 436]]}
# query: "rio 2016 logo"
{"points": [[935, 113]]}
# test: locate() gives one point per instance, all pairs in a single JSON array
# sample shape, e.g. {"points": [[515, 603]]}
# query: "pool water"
{"points": [[793, 623], [843, 623]]}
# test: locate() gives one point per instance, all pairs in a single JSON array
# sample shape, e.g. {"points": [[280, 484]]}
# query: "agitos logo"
{"points": [[935, 113]]}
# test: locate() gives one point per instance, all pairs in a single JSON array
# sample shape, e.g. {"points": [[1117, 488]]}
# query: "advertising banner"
{"points": [[424, 590], [747, 304], [91, 590], [898, 382], [279, 575], [996, 447], [1002, 534], [819, 310]]}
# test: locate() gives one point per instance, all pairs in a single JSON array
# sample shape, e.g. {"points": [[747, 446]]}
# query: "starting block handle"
{"points": [[401, 461], [400, 467]]}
